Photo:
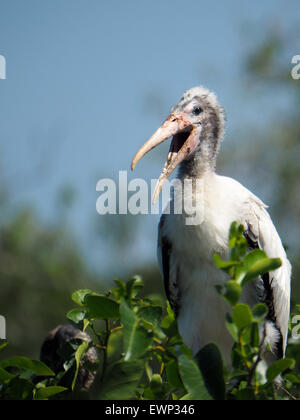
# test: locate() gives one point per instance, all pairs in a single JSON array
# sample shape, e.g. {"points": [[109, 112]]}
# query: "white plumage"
{"points": [[193, 273], [185, 252]]}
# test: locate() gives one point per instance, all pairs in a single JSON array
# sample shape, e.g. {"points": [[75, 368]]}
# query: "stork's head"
{"points": [[196, 124]]}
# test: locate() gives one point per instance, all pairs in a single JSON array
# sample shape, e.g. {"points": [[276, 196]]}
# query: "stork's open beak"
{"points": [[185, 140]]}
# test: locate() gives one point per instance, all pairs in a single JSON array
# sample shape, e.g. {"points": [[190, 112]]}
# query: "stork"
{"points": [[185, 252]]}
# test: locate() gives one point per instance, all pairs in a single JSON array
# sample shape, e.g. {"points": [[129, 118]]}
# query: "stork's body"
{"points": [[190, 274], [185, 251]]}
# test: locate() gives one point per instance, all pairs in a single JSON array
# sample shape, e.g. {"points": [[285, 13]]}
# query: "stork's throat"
{"points": [[179, 140]]}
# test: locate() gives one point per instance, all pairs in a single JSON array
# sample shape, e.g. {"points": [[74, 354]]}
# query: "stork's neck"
{"points": [[202, 162]]}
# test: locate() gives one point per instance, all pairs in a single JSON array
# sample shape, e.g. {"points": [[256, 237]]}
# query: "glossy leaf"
{"points": [[210, 362], [136, 338], [259, 267], [34, 366], [232, 328], [76, 315], [5, 376], [242, 316], [133, 286], [3, 345], [173, 375], [79, 354], [80, 295], [101, 307], [232, 293], [192, 378], [260, 311], [224, 265], [151, 314], [48, 392], [121, 380], [278, 368]]}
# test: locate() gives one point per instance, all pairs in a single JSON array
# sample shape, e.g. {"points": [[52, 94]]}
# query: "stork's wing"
{"points": [[169, 267], [261, 233]]}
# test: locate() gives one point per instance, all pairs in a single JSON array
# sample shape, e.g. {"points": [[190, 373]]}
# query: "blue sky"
{"points": [[81, 73]]}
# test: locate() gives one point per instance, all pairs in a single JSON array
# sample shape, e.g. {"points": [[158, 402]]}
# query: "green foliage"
{"points": [[141, 354], [17, 380]]}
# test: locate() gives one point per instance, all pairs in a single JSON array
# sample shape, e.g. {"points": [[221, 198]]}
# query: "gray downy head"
{"points": [[204, 109], [196, 125]]}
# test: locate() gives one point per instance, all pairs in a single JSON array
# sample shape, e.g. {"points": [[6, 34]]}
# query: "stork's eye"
{"points": [[197, 110]]}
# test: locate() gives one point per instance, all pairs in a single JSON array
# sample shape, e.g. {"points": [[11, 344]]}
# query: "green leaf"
{"points": [[120, 290], [76, 315], [255, 337], [169, 320], [192, 378], [101, 307], [115, 346], [149, 394], [3, 345], [259, 267], [232, 328], [246, 394], [210, 362], [48, 392], [279, 367], [20, 389], [237, 358], [156, 382], [34, 366], [237, 242], [253, 256], [260, 311], [236, 373], [224, 265], [80, 295], [169, 324], [121, 380], [242, 316], [250, 259], [187, 397], [86, 323], [250, 335], [292, 378], [133, 286], [151, 314], [173, 375], [80, 352], [233, 292], [136, 337], [5, 376]]}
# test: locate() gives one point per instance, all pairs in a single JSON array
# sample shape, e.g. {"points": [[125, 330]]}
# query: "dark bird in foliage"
{"points": [[186, 247], [52, 353]]}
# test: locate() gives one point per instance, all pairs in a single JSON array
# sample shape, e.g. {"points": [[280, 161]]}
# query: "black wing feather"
{"points": [[170, 283], [265, 294]]}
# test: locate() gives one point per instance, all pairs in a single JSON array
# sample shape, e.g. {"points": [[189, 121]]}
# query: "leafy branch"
{"points": [[140, 354]]}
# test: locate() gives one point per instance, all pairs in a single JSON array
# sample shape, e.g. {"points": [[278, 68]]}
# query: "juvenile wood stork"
{"points": [[52, 357], [185, 252]]}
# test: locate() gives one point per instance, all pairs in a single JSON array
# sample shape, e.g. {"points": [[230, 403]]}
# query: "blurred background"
{"points": [[87, 83]]}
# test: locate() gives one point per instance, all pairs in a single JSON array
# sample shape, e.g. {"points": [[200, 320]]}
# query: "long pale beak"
{"points": [[185, 140]]}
